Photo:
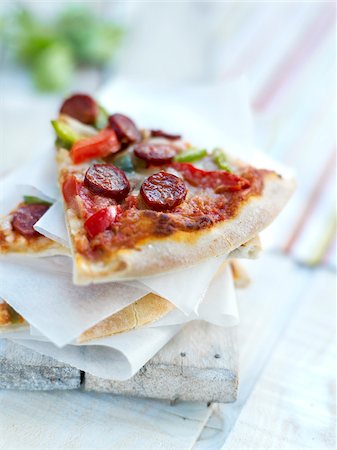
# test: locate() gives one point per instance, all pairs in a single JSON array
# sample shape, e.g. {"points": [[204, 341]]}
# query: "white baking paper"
{"points": [[46, 297], [218, 305], [207, 115], [121, 356], [117, 357], [184, 288], [52, 224], [41, 179]]}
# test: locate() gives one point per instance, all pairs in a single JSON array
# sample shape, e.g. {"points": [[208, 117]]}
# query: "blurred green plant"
{"points": [[52, 51]]}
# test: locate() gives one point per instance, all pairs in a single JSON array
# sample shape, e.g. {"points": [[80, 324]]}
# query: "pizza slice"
{"points": [[18, 236], [144, 202], [17, 233]]}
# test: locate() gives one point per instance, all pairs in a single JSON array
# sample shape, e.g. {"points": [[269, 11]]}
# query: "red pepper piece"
{"points": [[102, 144], [101, 220], [219, 180]]}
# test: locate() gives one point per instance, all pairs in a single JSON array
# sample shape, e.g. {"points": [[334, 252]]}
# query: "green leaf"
{"points": [[52, 49], [92, 40], [54, 68]]}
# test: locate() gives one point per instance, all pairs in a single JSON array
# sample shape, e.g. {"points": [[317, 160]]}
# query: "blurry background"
{"points": [[287, 51]]}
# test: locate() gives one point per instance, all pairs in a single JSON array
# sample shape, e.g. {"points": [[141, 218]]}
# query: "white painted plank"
{"points": [[266, 307], [265, 324], [293, 403], [78, 420]]}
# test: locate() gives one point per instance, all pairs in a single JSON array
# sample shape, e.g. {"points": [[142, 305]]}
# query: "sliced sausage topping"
{"points": [[125, 129], [25, 217], [107, 180], [163, 191], [81, 107], [161, 133], [155, 154]]}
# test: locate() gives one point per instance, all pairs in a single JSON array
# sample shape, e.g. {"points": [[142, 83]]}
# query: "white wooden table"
{"points": [[287, 340]]}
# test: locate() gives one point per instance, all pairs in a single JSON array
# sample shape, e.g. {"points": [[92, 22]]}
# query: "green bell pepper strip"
{"points": [[31, 200], [124, 162], [61, 144], [65, 132], [220, 159], [102, 118], [191, 155]]}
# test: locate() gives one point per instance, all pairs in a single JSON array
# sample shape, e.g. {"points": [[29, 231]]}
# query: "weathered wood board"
{"points": [[199, 364], [22, 368]]}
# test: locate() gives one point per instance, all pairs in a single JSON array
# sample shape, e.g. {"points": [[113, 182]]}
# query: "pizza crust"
{"points": [[240, 276], [184, 249], [248, 250], [146, 310], [41, 248]]}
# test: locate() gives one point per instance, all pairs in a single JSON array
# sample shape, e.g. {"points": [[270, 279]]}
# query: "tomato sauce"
{"points": [[198, 212]]}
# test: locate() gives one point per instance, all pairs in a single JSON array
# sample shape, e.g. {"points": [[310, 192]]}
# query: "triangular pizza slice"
{"points": [[143, 202]]}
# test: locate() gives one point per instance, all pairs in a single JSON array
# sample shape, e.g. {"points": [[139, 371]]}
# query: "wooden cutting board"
{"points": [[199, 364]]}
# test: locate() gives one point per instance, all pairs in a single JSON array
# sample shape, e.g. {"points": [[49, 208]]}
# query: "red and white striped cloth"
{"points": [[287, 50]]}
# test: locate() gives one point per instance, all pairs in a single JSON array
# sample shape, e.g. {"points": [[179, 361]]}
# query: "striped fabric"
{"points": [[288, 52]]}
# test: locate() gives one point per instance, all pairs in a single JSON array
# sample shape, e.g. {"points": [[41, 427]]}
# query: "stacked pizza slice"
{"points": [[143, 202]]}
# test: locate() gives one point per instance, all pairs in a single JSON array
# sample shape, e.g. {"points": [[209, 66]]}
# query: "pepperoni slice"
{"points": [[125, 129], [163, 191], [161, 133], [155, 154], [219, 180], [26, 216], [107, 180], [81, 107]]}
